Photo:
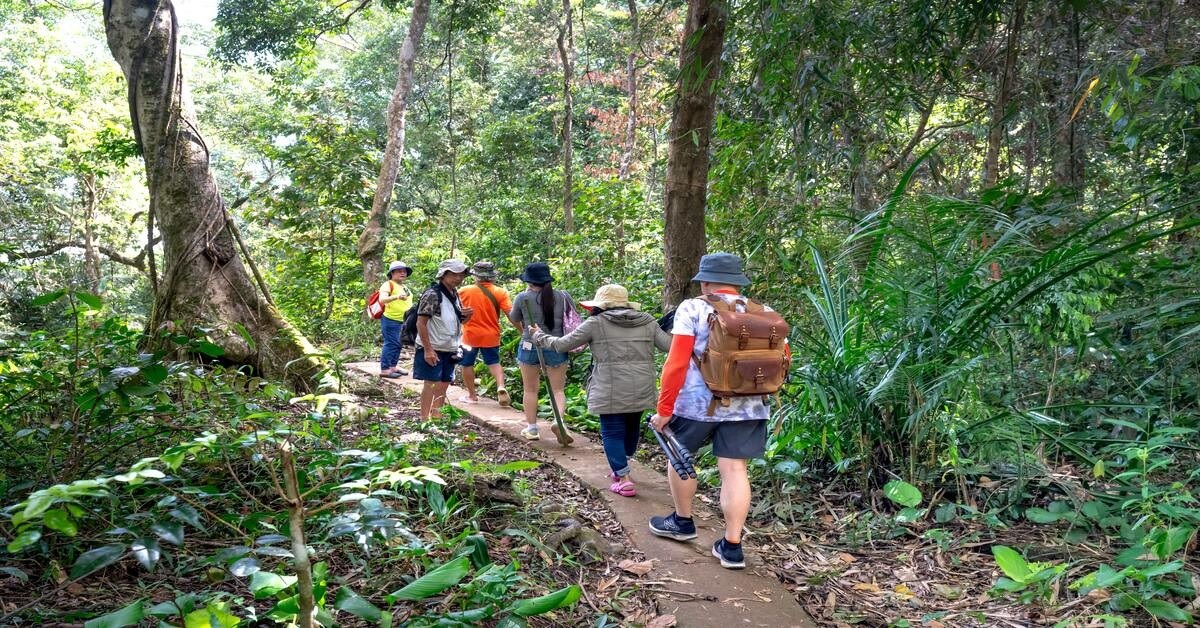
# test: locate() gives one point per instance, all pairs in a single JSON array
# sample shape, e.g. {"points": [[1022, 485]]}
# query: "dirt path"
{"points": [[723, 597]]}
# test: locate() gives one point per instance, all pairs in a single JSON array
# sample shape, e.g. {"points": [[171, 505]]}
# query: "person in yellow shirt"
{"points": [[481, 334], [396, 299]]}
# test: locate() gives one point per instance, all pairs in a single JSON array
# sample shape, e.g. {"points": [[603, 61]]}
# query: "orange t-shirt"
{"points": [[483, 330]]}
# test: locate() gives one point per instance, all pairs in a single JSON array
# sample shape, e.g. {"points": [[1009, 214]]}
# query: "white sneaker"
{"points": [[531, 433]]}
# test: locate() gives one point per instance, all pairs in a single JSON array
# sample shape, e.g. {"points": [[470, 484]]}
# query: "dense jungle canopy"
{"points": [[981, 220]]}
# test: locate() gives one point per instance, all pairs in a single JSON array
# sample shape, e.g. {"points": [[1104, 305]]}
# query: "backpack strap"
{"points": [[491, 298]]}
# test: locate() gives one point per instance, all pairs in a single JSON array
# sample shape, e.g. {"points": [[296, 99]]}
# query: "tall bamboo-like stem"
{"points": [[301, 562], [566, 52]]}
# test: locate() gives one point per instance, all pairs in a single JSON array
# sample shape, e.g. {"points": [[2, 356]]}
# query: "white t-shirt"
{"points": [[691, 319]]}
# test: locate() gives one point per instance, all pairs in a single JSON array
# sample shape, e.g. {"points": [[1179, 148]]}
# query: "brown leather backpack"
{"points": [[747, 352]]}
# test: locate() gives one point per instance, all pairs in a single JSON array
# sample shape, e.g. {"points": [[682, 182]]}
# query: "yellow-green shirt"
{"points": [[395, 309]]}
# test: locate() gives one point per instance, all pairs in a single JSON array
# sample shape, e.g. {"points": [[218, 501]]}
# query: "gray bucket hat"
{"points": [[451, 265], [723, 268], [398, 265]]}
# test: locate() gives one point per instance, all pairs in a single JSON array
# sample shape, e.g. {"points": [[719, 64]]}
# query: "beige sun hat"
{"points": [[611, 296]]}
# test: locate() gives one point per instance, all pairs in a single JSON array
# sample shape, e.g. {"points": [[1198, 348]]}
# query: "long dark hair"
{"points": [[547, 305]]}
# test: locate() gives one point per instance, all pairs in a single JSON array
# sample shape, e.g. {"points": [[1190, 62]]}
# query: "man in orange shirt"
{"points": [[481, 334]]}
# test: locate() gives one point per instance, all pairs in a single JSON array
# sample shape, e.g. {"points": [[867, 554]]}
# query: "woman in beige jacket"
{"points": [[620, 387]]}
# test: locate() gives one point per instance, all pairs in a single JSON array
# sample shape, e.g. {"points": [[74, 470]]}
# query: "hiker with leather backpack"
{"points": [[728, 357], [395, 298], [481, 334], [439, 336]]}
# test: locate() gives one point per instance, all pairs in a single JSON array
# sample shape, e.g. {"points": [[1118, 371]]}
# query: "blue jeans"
{"points": [[620, 434], [391, 343]]}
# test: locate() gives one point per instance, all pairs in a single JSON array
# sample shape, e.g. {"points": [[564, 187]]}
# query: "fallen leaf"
{"points": [[831, 602], [869, 587], [662, 621], [688, 561], [933, 623], [903, 590], [608, 582], [948, 592], [906, 575], [846, 558], [762, 595], [636, 568]]}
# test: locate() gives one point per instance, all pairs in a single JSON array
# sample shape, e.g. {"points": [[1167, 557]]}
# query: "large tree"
{"points": [[204, 281], [686, 186], [370, 243]]}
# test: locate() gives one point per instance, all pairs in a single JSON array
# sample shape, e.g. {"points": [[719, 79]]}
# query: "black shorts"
{"points": [[741, 440]]}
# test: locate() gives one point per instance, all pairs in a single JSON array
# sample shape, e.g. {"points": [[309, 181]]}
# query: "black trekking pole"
{"points": [[559, 428], [677, 455]]}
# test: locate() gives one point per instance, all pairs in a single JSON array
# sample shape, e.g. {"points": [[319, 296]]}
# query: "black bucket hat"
{"points": [[537, 273]]}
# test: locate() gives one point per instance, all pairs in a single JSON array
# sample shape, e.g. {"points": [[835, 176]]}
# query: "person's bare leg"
{"points": [[427, 398], [735, 496], [497, 372], [558, 382], [530, 382], [682, 492], [439, 398], [468, 377]]}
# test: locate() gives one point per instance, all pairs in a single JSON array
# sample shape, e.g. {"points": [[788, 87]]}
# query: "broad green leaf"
{"points": [[181, 606], [96, 559], [15, 573], [512, 621], [945, 513], [188, 515], [434, 582], [24, 540], [169, 531], [265, 584], [902, 493], [351, 602], [58, 520], [209, 349], [517, 465], [90, 300], [147, 552], [129, 616], [1012, 563], [245, 567], [1040, 515], [211, 616], [559, 599], [1163, 609], [48, 298], [155, 373]]}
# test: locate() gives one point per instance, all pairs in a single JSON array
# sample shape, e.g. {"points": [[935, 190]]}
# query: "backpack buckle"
{"points": [[743, 338], [759, 378]]}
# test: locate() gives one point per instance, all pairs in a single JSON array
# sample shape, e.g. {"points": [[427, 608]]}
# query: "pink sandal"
{"points": [[623, 488]]}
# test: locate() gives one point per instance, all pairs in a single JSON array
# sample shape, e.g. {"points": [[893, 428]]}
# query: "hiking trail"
{"points": [[722, 597]]}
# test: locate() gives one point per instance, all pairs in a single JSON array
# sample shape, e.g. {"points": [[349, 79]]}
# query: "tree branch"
{"points": [[137, 261]]}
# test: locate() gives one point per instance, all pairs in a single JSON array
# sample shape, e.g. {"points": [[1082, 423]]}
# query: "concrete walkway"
{"points": [[750, 597]]}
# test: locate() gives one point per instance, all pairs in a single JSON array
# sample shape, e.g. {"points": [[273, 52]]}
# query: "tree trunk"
{"points": [[204, 283], [686, 184], [371, 243], [91, 259], [1068, 143], [627, 154], [566, 52], [1004, 83]]}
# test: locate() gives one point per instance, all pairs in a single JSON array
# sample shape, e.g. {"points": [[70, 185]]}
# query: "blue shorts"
{"points": [[443, 371], [490, 355], [530, 356]]}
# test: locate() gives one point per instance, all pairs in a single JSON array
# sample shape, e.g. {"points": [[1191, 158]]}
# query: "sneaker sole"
{"points": [[728, 564], [667, 534]]}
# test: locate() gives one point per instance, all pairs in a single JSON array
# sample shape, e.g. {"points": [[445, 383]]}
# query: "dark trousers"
{"points": [[620, 434], [391, 343]]}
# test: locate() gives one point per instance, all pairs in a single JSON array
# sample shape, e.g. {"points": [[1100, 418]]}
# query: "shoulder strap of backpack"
{"points": [[491, 298]]}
